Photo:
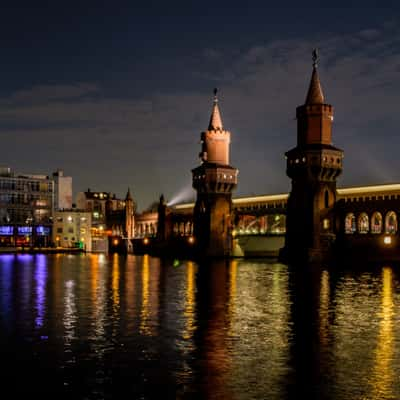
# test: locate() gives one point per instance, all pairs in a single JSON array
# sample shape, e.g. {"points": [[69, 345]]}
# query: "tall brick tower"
{"points": [[129, 215], [214, 181], [313, 166]]}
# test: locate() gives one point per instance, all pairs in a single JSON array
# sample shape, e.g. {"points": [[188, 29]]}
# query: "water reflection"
{"points": [[98, 305], [121, 327], [189, 311], [150, 297], [310, 345], [382, 377], [211, 338], [40, 280], [115, 291], [6, 279], [69, 317], [144, 313], [324, 307]]}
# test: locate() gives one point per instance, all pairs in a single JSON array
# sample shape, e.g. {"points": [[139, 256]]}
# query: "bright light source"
{"points": [[115, 242], [191, 239], [146, 240], [387, 240]]}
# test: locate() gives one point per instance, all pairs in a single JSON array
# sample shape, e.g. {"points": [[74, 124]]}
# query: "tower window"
{"points": [[326, 199]]}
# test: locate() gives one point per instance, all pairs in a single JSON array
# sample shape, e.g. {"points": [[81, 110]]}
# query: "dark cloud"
{"points": [[151, 142]]}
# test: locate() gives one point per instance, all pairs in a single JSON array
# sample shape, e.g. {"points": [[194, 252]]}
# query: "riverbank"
{"points": [[37, 250]]}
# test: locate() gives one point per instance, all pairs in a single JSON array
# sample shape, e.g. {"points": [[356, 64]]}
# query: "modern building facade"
{"points": [[26, 209], [72, 229]]}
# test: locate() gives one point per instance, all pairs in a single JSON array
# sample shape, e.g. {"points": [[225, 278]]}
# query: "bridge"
{"points": [[364, 215]]}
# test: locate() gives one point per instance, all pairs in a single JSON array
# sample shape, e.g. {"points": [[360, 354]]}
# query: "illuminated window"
{"points": [[391, 222], [363, 223], [376, 223], [350, 223]]}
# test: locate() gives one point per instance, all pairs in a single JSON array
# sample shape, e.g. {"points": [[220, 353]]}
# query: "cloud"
{"points": [[151, 143]]}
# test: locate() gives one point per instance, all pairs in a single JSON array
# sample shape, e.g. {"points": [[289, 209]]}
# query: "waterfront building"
{"points": [[94, 202], [113, 219], [72, 229], [26, 208], [62, 190]]}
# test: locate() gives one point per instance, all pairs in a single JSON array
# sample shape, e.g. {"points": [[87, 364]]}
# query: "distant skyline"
{"points": [[116, 95]]}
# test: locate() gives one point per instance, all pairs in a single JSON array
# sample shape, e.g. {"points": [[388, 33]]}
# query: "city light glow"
{"points": [[387, 240]]}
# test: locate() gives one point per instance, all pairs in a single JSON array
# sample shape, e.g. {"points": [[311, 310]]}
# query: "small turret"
{"points": [[215, 141]]}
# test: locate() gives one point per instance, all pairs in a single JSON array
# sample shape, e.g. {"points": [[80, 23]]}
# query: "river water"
{"points": [[137, 327]]}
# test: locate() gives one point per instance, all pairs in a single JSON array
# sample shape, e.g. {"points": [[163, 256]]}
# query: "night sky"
{"points": [[116, 93]]}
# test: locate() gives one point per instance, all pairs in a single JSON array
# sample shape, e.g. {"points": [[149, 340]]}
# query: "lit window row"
{"points": [[364, 224]]}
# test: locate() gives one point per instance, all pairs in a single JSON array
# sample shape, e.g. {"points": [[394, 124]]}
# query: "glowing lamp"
{"points": [[115, 242], [191, 239], [387, 240], [146, 240]]}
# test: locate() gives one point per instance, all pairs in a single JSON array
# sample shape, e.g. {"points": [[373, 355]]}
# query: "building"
{"points": [[62, 190], [113, 219], [26, 209], [313, 166], [214, 180], [72, 229]]}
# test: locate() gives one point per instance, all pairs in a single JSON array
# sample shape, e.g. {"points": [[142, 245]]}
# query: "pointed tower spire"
{"points": [[128, 195], [215, 120], [315, 95]]}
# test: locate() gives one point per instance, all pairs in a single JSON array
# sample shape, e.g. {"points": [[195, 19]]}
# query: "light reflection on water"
{"points": [[96, 326]]}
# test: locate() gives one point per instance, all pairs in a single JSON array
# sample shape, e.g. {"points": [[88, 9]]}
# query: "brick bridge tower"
{"points": [[313, 166], [214, 180], [129, 216]]}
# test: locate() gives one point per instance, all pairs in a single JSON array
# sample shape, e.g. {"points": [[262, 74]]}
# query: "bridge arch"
{"points": [[363, 223], [350, 225], [376, 222], [391, 222]]}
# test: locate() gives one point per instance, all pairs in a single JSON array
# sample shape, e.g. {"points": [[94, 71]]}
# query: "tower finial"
{"points": [[315, 57], [128, 195], [215, 120], [314, 94]]}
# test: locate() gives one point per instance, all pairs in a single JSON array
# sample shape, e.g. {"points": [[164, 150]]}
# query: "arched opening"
{"points": [[350, 224], [391, 222], [376, 223], [326, 199], [363, 223]]}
